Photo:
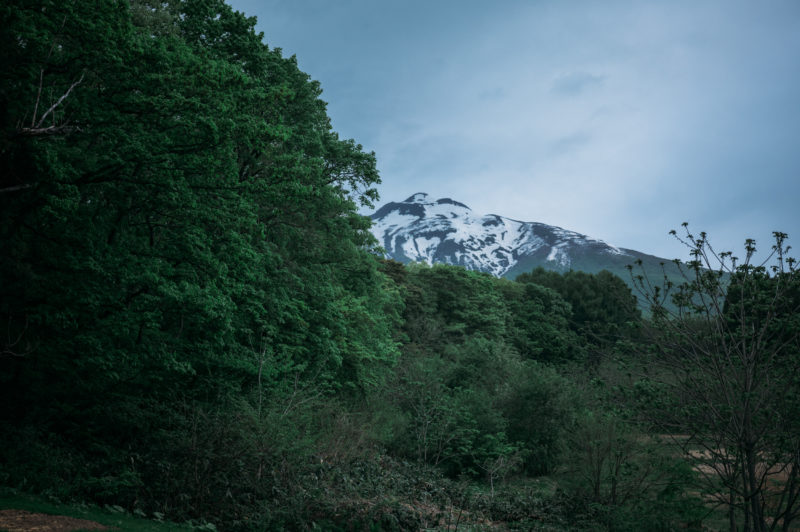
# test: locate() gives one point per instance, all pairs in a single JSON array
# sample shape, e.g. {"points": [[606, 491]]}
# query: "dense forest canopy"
{"points": [[197, 322], [179, 225], [185, 184]]}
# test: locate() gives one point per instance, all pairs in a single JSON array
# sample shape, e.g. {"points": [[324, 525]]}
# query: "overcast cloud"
{"points": [[619, 120]]}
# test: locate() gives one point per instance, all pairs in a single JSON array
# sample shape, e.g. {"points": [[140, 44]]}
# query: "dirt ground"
{"points": [[22, 521]]}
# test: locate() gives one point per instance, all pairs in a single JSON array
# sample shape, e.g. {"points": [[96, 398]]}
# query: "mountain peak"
{"points": [[447, 231], [422, 198], [419, 197], [448, 201]]}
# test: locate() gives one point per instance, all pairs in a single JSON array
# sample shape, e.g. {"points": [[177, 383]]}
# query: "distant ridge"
{"points": [[420, 229]]}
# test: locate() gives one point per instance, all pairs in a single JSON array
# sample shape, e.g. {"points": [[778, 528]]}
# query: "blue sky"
{"points": [[619, 120]]}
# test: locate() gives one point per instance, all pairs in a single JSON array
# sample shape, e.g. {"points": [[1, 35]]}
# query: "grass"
{"points": [[109, 516]]}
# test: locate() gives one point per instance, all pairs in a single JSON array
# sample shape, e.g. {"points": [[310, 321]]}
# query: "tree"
{"points": [[603, 308], [615, 475], [539, 323], [729, 354], [171, 195]]}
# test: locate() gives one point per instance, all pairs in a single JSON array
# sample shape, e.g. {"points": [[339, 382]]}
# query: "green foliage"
{"points": [[179, 231], [624, 479], [539, 325], [603, 308], [451, 306], [539, 405], [473, 399]]}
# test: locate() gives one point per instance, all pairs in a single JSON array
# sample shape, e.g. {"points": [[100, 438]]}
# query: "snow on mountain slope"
{"points": [[445, 231]]}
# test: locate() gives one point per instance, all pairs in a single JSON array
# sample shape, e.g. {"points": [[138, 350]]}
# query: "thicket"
{"points": [[196, 323]]}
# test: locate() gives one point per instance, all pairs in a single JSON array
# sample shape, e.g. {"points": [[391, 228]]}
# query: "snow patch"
{"points": [[395, 220], [559, 255], [449, 231], [426, 247]]}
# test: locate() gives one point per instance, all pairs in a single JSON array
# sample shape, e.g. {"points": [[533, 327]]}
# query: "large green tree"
{"points": [[603, 307], [178, 224]]}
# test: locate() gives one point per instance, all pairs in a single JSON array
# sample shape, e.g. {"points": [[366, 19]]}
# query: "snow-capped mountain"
{"points": [[446, 231]]}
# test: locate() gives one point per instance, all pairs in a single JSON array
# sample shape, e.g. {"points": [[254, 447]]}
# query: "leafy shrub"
{"points": [[623, 479]]}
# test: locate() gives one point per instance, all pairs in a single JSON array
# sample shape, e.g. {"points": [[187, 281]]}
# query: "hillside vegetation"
{"points": [[196, 326]]}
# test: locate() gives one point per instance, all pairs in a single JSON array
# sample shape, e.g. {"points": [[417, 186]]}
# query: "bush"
{"points": [[539, 406], [624, 480]]}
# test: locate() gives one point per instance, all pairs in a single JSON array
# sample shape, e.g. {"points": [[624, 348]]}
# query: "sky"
{"points": [[615, 119]]}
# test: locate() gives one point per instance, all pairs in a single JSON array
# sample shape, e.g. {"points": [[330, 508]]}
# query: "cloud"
{"points": [[618, 120], [575, 83], [569, 143], [496, 93]]}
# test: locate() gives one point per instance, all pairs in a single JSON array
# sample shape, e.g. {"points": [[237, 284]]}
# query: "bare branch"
{"points": [[58, 102], [13, 340], [50, 130], [41, 77], [727, 354], [18, 187]]}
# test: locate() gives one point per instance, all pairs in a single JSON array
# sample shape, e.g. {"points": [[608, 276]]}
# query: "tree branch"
{"points": [[58, 102]]}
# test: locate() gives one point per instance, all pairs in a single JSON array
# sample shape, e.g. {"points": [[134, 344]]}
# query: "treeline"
{"points": [[196, 323]]}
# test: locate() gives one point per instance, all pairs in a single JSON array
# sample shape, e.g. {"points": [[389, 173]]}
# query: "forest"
{"points": [[197, 325]]}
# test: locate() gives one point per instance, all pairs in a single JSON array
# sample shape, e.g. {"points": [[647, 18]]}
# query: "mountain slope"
{"points": [[420, 229]]}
